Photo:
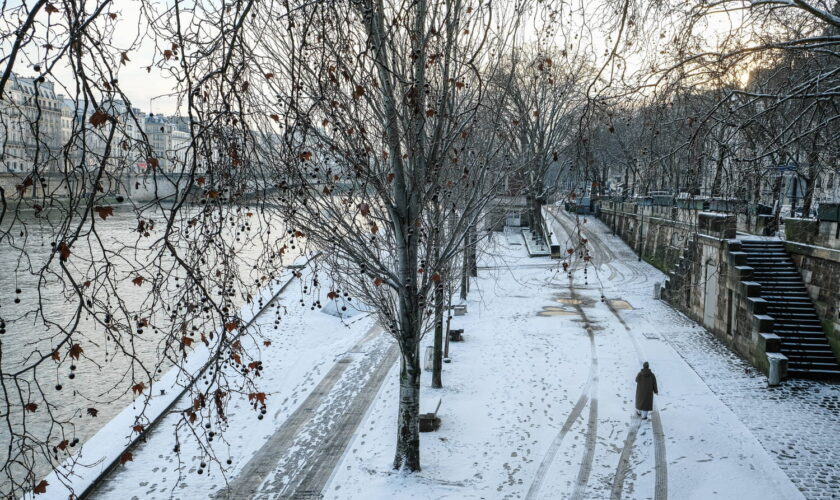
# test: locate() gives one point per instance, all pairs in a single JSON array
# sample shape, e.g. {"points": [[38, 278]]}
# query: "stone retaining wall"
{"points": [[136, 187], [708, 277], [820, 269]]}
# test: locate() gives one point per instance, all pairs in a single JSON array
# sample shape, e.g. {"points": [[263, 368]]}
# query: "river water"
{"points": [[100, 378]]}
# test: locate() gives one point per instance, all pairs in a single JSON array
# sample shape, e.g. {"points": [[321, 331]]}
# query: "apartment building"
{"points": [[30, 125]]}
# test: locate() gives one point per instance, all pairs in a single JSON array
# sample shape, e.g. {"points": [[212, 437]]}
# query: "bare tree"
{"points": [[383, 164]]}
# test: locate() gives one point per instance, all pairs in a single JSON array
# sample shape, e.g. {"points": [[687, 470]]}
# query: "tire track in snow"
{"points": [[555, 444], [636, 275], [601, 250], [264, 462], [590, 390], [592, 425], [661, 488], [321, 465], [624, 459], [589, 451], [660, 461]]}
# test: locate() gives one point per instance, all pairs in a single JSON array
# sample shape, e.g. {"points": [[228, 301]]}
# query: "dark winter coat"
{"points": [[645, 389]]}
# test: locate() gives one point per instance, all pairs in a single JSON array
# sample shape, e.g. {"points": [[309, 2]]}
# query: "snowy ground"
{"points": [[537, 403], [536, 408], [313, 357]]}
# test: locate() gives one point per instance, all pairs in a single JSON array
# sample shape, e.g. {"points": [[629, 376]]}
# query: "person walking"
{"points": [[645, 389]]}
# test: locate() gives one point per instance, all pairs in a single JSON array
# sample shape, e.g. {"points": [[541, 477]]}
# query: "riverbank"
{"points": [[538, 402]]}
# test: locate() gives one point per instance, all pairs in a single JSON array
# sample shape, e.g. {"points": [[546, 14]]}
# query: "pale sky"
{"points": [[147, 89]]}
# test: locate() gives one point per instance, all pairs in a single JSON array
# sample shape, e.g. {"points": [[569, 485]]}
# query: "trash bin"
{"points": [[657, 290], [777, 368]]}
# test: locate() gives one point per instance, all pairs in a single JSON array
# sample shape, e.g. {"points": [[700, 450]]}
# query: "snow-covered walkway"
{"points": [[538, 403]]}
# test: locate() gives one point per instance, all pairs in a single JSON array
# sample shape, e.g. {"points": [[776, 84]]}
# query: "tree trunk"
{"points": [[408, 416], [472, 251], [716, 193], [437, 364], [465, 280], [626, 182], [808, 199], [448, 323], [811, 181]]}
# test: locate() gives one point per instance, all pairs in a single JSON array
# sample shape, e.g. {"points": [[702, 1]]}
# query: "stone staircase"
{"points": [[676, 288], [786, 303]]}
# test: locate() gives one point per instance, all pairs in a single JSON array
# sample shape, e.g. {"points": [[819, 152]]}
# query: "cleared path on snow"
{"points": [[297, 460]]}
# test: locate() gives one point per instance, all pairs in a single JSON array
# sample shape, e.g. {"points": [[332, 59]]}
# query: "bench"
{"points": [[456, 335]]}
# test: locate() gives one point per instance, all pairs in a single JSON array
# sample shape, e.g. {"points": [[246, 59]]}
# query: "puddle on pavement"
{"points": [[620, 304], [577, 300], [569, 300], [549, 311]]}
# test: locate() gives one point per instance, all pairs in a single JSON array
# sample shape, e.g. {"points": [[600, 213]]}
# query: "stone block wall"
{"points": [[813, 232], [708, 279], [820, 269], [662, 231]]}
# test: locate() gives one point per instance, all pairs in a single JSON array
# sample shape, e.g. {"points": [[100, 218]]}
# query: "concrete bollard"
{"points": [[657, 290], [777, 368]]}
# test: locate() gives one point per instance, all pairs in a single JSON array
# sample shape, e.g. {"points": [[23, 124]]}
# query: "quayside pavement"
{"points": [[537, 403]]}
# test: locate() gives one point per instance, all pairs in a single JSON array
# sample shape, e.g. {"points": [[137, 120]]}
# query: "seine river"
{"points": [[99, 379]]}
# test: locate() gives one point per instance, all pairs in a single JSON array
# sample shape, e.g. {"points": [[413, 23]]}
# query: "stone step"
{"points": [[772, 304], [786, 312], [782, 325], [796, 299], [821, 349], [793, 321], [788, 298], [801, 331], [795, 288], [793, 293], [779, 281], [814, 366], [763, 250], [802, 351], [793, 308], [807, 325], [826, 368], [795, 318], [805, 344], [810, 356], [809, 336], [763, 243], [796, 372]]}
